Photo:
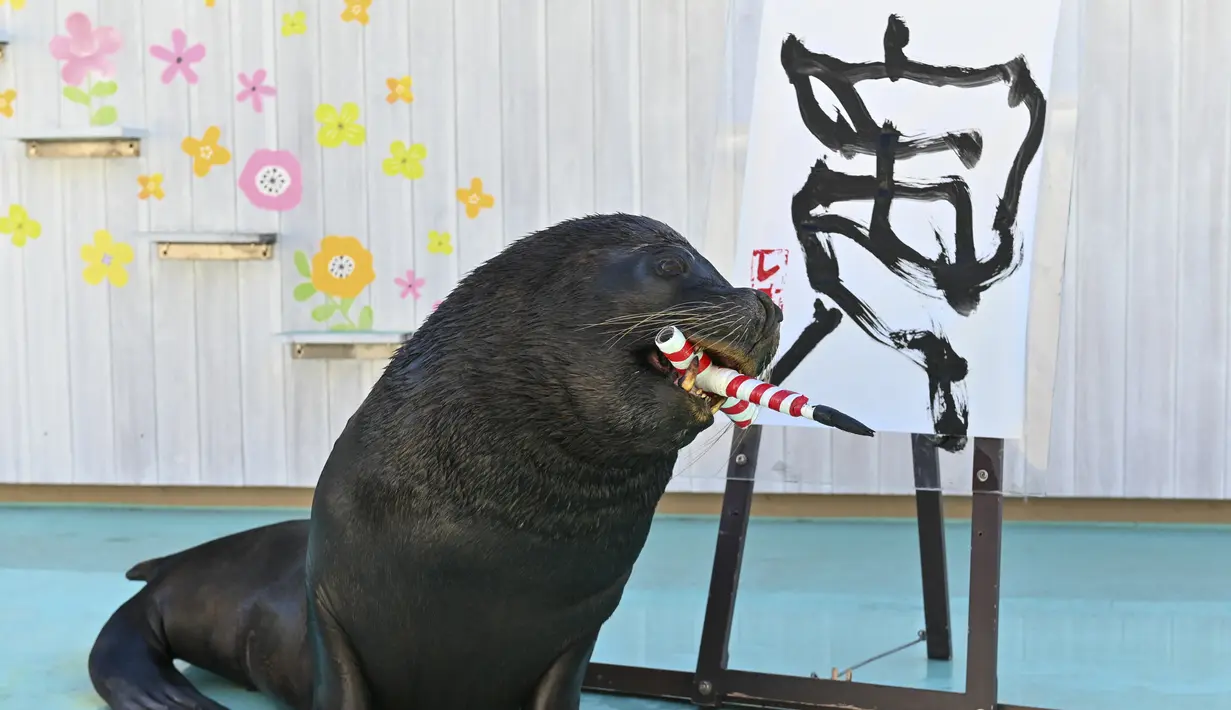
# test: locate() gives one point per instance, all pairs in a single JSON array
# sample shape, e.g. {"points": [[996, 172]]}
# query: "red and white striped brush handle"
{"points": [[681, 353], [723, 381], [742, 391]]}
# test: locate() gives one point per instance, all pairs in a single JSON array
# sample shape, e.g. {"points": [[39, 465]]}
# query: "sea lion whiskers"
{"points": [[656, 319], [678, 309], [728, 325], [655, 322], [706, 329], [733, 325], [720, 315]]}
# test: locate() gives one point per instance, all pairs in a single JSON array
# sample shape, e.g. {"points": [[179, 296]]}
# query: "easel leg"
{"points": [[728, 558], [986, 523], [930, 515]]}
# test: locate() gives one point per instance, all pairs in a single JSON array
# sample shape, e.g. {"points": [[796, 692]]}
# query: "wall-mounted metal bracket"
{"points": [[344, 345], [84, 142], [213, 246]]}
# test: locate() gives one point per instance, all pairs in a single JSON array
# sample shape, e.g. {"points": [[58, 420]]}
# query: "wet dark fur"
{"points": [[479, 516]]}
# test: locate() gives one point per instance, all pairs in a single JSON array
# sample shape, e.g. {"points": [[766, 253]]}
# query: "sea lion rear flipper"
{"points": [[560, 686], [143, 571], [131, 669]]}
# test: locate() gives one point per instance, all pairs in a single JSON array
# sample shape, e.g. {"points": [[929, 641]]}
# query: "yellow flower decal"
{"points": [[356, 11], [6, 101], [294, 23], [399, 90], [105, 259], [475, 199], [209, 3], [439, 242], [206, 153], [342, 268], [19, 226], [17, 4], [407, 162], [151, 186], [339, 125]]}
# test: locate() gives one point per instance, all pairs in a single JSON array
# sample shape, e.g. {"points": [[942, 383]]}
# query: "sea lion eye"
{"points": [[672, 266]]}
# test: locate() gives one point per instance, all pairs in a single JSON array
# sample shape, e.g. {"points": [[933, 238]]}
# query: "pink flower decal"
{"points": [[254, 88], [410, 285], [179, 57], [84, 49], [271, 180]]}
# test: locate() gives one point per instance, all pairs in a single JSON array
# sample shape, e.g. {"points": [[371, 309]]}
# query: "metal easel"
{"points": [[714, 684]]}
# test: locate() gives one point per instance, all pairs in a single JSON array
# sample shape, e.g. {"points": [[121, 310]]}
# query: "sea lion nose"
{"points": [[773, 313]]}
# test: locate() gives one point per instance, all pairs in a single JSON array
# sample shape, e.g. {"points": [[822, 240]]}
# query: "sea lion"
{"points": [[479, 516]]}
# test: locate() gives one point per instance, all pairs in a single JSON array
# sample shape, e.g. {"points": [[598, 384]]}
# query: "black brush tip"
{"points": [[833, 418]]}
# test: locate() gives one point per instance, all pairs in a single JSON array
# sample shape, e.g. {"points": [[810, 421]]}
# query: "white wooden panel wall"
{"points": [[563, 107]]}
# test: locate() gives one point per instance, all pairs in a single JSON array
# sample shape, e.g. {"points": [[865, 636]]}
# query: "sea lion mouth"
{"points": [[686, 380]]}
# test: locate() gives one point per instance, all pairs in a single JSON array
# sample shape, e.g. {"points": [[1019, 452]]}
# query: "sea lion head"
{"points": [[554, 337]]}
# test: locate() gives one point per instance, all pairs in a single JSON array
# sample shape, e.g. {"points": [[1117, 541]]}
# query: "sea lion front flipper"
{"points": [[337, 681], [560, 686]]}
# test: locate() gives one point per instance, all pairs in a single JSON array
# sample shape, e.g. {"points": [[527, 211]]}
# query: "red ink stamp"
{"points": [[769, 272]]}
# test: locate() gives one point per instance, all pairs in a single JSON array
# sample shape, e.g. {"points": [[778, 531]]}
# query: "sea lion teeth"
{"points": [[690, 377]]}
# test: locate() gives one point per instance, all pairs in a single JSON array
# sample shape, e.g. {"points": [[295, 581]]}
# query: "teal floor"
{"points": [[1092, 617]]}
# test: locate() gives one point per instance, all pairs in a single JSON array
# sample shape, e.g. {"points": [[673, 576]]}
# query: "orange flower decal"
{"points": [[206, 153], [342, 268], [475, 199], [6, 102], [357, 11], [399, 90], [151, 186]]}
